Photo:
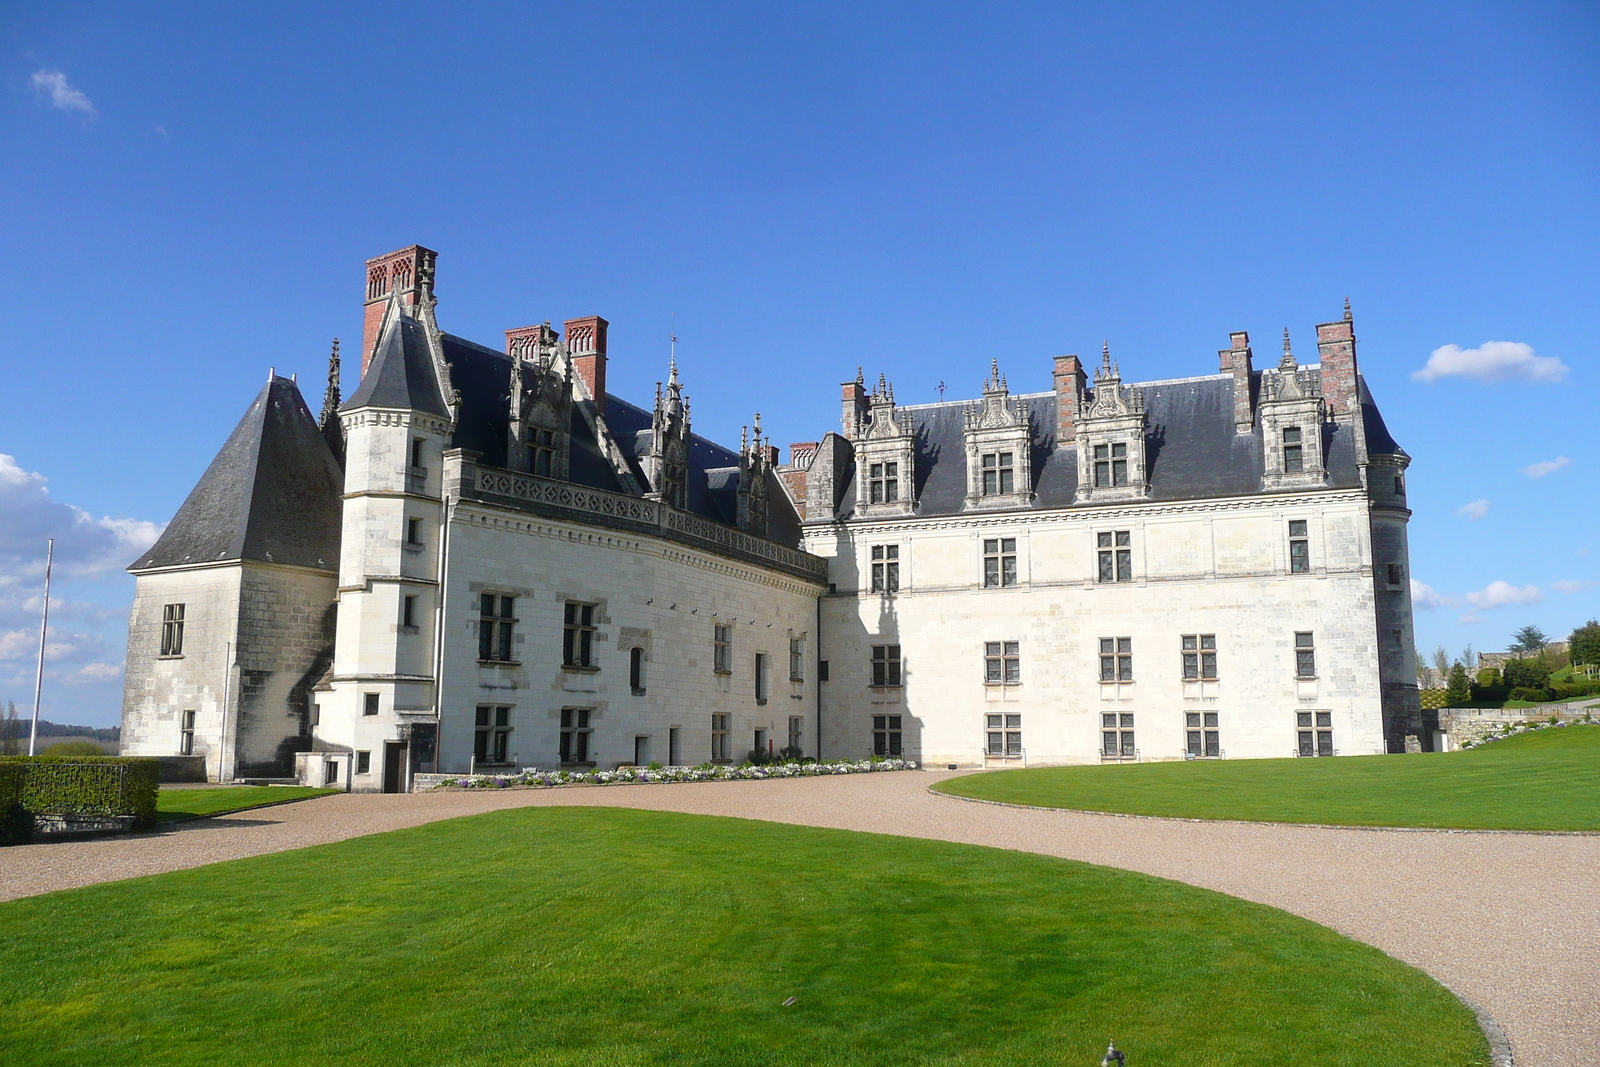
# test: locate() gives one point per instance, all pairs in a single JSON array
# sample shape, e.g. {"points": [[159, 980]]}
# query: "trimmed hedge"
{"points": [[15, 821], [88, 785]]}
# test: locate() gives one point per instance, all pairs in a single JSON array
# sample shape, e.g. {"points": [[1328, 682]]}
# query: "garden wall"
{"points": [[74, 795]]}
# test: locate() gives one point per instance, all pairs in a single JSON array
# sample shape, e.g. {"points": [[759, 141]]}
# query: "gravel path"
{"points": [[1506, 920]]}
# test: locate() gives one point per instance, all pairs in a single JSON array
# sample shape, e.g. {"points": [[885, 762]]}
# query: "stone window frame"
{"points": [[884, 568], [1004, 551], [544, 449], [1299, 546], [497, 624], [172, 620], [186, 732], [722, 648], [1202, 735], [1118, 740], [1314, 733], [1194, 650], [888, 667], [636, 662], [1002, 735], [888, 735], [1109, 465], [370, 704], [491, 735], [364, 761], [883, 482], [1305, 654], [409, 613], [580, 622], [1002, 663], [797, 732], [797, 659], [576, 736], [1113, 556], [1395, 575], [721, 737], [997, 473], [413, 531], [1116, 659], [762, 663]]}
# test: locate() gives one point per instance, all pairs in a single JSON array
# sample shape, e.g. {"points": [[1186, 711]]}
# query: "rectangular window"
{"points": [[1394, 574], [541, 452], [172, 630], [575, 732], [1299, 548], [797, 659], [1293, 459], [1110, 465], [1003, 736], [492, 743], [408, 611], [330, 772], [1002, 664], [1116, 735], [886, 736], [1305, 656], [761, 677], [822, 670], [885, 568], [999, 473], [1199, 657], [1399, 485], [1203, 737], [886, 665], [1116, 555], [416, 452], [722, 649], [1315, 729], [363, 762], [636, 670], [369, 703], [721, 731], [999, 562], [496, 623], [413, 531], [797, 725], [1116, 659], [883, 483], [186, 737], [577, 635]]}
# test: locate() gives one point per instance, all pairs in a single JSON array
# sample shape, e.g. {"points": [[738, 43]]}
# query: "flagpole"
{"points": [[44, 626]]}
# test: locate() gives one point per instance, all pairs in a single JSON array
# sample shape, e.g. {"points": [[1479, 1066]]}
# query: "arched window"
{"points": [[636, 670]]}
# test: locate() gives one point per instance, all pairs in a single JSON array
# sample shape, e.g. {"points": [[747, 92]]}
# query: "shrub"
{"points": [[15, 822], [74, 748], [1489, 677], [89, 785], [1523, 692], [1574, 690], [1526, 674]]}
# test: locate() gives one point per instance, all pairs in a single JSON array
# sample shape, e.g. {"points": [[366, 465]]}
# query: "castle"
{"points": [[484, 560]]}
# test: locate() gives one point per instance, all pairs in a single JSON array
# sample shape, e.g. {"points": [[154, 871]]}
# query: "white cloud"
{"points": [[1504, 594], [1571, 585], [1475, 510], [53, 83], [1426, 598], [1492, 361], [86, 546], [1539, 470]]}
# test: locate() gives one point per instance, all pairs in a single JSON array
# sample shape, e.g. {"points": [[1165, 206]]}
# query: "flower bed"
{"points": [[1514, 729], [658, 775]]}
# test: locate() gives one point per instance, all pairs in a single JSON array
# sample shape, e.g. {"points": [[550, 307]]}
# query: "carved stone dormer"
{"points": [[886, 450], [666, 465], [1292, 413], [998, 439], [755, 468], [539, 439], [1111, 435]]}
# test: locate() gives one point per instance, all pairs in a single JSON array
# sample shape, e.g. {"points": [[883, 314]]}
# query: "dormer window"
{"points": [[999, 473], [1293, 457], [884, 483], [1110, 465], [542, 452]]}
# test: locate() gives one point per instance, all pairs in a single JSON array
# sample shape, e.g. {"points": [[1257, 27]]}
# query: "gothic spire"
{"points": [[330, 425]]}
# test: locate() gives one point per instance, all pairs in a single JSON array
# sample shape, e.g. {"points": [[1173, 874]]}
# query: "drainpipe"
{"points": [[816, 675], [227, 679]]}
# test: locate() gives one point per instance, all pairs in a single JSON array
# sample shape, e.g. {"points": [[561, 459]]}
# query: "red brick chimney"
{"points": [[410, 270], [1235, 360], [1336, 350], [1070, 381], [855, 405], [586, 341]]}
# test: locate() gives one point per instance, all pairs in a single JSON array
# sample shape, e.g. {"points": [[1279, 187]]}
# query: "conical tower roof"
{"points": [[272, 494], [402, 373]]}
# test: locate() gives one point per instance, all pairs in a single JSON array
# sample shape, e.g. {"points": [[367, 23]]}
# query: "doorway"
{"points": [[641, 750], [674, 753], [394, 766]]}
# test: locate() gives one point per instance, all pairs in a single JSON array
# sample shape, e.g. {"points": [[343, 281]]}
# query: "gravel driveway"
{"points": [[1506, 920]]}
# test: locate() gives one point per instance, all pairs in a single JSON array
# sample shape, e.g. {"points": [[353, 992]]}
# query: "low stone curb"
{"points": [[1264, 822], [1499, 1043]]}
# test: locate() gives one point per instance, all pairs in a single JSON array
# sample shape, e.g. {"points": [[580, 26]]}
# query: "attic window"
{"points": [[1293, 457], [884, 483], [1110, 465], [542, 452]]}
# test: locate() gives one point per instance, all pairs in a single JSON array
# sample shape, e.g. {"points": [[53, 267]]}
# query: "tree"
{"points": [[1459, 691], [1528, 640], [10, 731], [1526, 674], [1469, 658], [1584, 644], [1441, 661]]}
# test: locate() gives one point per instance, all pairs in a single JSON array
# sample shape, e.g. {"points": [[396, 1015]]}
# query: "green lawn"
{"points": [[1545, 780], [173, 804], [593, 936]]}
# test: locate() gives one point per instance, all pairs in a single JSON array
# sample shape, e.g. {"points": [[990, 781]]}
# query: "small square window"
{"points": [[369, 705], [363, 762]]}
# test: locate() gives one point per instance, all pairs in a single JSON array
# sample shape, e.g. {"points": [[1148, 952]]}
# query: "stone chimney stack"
{"points": [[586, 343], [855, 405], [1070, 381], [1336, 349], [410, 271], [1235, 360]]}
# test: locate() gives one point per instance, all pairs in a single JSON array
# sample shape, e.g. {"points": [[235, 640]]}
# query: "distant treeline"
{"points": [[19, 727]]}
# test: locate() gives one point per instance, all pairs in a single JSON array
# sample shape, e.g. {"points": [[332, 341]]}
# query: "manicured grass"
{"points": [[592, 936], [1545, 780], [173, 804]]}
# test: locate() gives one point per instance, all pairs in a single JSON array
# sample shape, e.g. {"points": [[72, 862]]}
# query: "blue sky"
{"points": [[187, 194]]}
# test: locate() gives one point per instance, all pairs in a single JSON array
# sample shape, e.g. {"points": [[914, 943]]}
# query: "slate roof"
{"points": [[1191, 447], [401, 373], [272, 494]]}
